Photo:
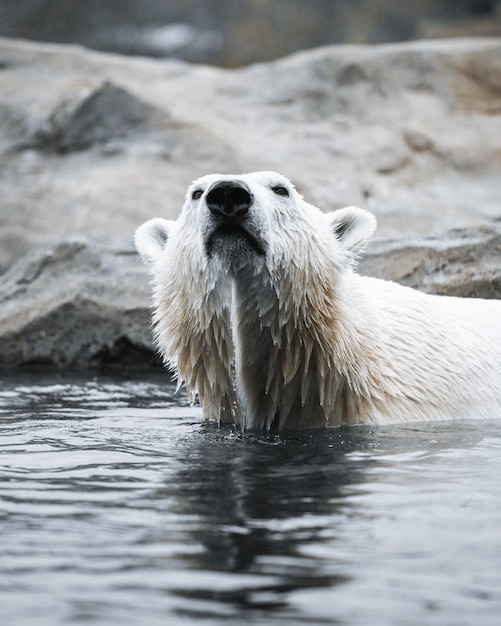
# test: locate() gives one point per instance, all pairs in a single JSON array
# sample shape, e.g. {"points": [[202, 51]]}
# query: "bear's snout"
{"points": [[229, 199], [231, 233]]}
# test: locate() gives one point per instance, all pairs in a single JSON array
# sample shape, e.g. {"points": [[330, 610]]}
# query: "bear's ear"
{"points": [[150, 239], [353, 228]]}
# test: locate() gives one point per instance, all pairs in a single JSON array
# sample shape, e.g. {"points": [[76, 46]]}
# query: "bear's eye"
{"points": [[197, 194], [280, 191]]}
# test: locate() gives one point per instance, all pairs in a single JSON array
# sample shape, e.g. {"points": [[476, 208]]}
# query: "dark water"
{"points": [[119, 507]]}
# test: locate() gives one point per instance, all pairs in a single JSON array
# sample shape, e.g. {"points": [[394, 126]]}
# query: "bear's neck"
{"points": [[284, 374], [266, 353]]}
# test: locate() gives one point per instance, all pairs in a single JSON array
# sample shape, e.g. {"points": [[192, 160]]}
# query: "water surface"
{"points": [[119, 506]]}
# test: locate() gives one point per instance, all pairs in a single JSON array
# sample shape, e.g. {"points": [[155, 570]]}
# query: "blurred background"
{"points": [[240, 32]]}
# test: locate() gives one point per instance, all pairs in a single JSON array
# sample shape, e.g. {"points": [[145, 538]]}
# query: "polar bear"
{"points": [[259, 309]]}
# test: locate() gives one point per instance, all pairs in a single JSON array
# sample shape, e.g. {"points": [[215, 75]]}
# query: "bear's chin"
{"points": [[234, 248]]}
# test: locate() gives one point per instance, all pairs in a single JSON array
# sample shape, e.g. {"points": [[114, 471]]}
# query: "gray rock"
{"points": [[76, 305], [464, 263], [106, 115]]}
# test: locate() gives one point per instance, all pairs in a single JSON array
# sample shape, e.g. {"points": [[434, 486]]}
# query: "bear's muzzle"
{"points": [[231, 234]]}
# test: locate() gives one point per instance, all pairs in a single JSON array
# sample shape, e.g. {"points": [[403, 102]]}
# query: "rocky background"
{"points": [[92, 144]]}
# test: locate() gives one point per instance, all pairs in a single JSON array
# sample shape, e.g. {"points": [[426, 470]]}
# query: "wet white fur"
{"points": [[296, 338]]}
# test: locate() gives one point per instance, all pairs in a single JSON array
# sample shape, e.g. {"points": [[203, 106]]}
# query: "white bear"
{"points": [[259, 309]]}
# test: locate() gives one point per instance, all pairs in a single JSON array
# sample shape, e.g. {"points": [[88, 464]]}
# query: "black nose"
{"points": [[229, 199]]}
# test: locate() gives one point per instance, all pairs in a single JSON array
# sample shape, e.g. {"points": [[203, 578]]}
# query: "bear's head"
{"points": [[244, 281], [254, 219]]}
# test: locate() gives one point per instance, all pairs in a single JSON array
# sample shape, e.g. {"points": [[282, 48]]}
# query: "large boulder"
{"points": [[78, 305]]}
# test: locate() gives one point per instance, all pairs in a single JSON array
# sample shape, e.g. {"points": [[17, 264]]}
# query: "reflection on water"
{"points": [[119, 506]]}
